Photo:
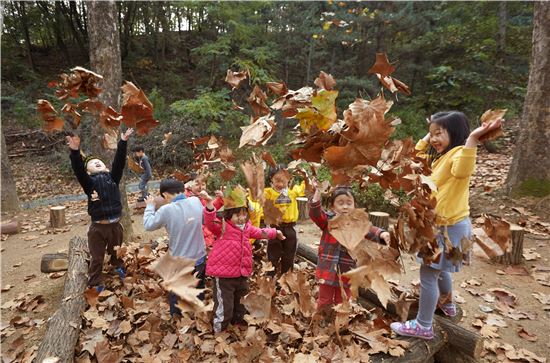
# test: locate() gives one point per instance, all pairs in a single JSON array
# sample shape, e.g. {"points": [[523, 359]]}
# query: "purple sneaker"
{"points": [[448, 309], [412, 329]]}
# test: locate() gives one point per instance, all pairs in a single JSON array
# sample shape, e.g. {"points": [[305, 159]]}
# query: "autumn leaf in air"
{"points": [[235, 78], [109, 118], [133, 165], [72, 115], [257, 100], [351, 228], [321, 114], [277, 88], [272, 215], [382, 65], [254, 174], [325, 81], [137, 110], [80, 82], [177, 273], [52, 121], [259, 132], [491, 116]]}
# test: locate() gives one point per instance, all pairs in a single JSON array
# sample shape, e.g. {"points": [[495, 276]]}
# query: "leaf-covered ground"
{"points": [[510, 306]]}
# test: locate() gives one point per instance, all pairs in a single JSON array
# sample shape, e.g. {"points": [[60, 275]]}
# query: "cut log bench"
{"points": [[63, 328], [451, 343], [11, 227]]}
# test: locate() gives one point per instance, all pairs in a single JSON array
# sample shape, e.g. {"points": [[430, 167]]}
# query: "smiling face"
{"points": [[343, 204], [240, 217], [280, 181], [95, 166], [439, 137], [198, 186]]}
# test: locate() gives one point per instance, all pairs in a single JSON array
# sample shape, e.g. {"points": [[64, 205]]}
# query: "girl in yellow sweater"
{"points": [[451, 149]]}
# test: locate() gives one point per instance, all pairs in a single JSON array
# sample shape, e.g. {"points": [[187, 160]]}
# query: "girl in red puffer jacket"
{"points": [[230, 260]]}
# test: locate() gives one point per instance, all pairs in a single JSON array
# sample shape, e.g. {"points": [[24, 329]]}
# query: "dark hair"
{"points": [[228, 213], [172, 186], [138, 148], [341, 190], [456, 124], [275, 170]]}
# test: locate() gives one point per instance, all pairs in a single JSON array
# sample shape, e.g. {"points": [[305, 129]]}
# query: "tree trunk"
{"points": [[515, 256], [10, 201], [105, 60], [57, 216], [501, 38], [531, 159], [67, 12], [25, 28], [64, 326]]}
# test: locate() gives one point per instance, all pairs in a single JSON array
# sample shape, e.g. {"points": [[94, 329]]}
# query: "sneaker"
{"points": [[121, 272], [412, 329], [448, 309]]}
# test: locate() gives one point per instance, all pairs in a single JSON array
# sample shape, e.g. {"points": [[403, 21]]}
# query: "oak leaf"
{"points": [[272, 215]]}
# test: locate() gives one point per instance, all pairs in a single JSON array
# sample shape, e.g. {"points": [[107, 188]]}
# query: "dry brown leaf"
{"points": [[253, 170], [351, 228], [527, 335], [490, 116], [272, 215], [235, 78], [259, 132], [325, 81]]}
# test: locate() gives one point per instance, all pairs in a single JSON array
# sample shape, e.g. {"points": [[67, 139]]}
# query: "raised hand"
{"points": [[73, 142], [127, 134], [280, 235], [385, 236], [150, 200], [486, 127]]}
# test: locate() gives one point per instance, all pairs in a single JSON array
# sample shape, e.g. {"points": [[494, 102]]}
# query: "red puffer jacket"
{"points": [[231, 254]]}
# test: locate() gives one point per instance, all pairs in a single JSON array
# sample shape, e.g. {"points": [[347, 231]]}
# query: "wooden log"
{"points": [[380, 219], [63, 327], [12, 227], [52, 262], [57, 216], [514, 257], [463, 340], [303, 210]]}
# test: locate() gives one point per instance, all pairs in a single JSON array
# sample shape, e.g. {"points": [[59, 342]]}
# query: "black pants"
{"points": [[227, 295], [281, 253], [103, 238]]}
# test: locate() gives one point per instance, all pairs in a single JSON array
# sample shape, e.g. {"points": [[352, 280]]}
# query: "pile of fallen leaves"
{"points": [[131, 320]]}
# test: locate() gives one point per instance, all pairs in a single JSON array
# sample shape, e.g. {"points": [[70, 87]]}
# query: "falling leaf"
{"points": [[254, 174], [257, 100], [228, 173], [278, 88], [167, 138], [72, 115], [266, 156], [351, 228], [259, 132], [109, 118], [491, 116], [382, 65], [325, 81], [235, 78], [137, 110], [368, 277], [235, 198], [321, 114], [272, 215], [52, 122], [177, 273]]}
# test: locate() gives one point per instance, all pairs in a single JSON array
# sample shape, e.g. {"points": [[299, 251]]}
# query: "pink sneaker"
{"points": [[448, 309], [412, 329]]}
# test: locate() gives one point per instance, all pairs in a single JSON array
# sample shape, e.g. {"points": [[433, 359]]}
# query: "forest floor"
{"points": [[29, 297]]}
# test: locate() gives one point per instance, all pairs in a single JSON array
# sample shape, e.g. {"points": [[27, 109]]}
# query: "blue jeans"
{"points": [[143, 185]]}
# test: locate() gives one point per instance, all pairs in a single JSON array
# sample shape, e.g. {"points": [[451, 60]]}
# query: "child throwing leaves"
{"points": [[334, 259], [230, 261], [281, 252], [104, 205], [182, 218], [451, 149]]}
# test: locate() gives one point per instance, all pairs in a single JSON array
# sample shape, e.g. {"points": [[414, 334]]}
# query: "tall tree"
{"points": [[531, 159], [104, 40], [10, 201]]}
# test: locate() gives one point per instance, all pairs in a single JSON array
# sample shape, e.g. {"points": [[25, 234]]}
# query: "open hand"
{"points": [[73, 142], [150, 200], [127, 134], [218, 194], [204, 195], [280, 235], [485, 128]]}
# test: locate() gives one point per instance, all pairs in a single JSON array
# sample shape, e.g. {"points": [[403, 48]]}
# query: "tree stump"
{"points": [[303, 210], [515, 257], [380, 219], [11, 227], [57, 216], [63, 327]]}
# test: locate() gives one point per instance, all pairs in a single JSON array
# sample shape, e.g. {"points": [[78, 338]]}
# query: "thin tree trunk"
{"points": [[531, 159], [10, 201], [105, 59], [76, 34], [501, 39], [25, 27], [58, 28]]}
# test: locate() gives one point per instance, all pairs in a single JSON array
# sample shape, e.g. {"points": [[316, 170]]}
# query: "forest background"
{"points": [[468, 56]]}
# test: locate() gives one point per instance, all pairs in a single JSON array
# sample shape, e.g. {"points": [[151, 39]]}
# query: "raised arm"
{"points": [[119, 161], [262, 233], [78, 164], [152, 219], [212, 222]]}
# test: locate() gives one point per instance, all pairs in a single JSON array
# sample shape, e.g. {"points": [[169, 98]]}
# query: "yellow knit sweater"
{"points": [[451, 174]]}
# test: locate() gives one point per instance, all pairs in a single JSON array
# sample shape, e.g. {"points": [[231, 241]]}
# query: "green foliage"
{"points": [[161, 111], [533, 187], [372, 198]]}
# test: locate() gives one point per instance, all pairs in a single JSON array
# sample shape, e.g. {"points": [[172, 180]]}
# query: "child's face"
{"points": [[279, 181], [239, 218], [439, 137], [343, 204], [198, 187], [138, 154], [95, 166]]}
